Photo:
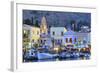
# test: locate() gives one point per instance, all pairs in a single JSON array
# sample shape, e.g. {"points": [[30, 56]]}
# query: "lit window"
{"points": [[24, 31]]}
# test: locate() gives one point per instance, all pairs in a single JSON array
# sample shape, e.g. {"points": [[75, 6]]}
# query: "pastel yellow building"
{"points": [[35, 34]]}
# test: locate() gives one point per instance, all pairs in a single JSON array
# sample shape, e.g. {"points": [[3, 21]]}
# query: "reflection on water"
{"points": [[58, 59]]}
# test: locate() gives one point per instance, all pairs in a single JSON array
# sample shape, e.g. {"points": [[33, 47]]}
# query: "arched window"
{"points": [[66, 40], [70, 40]]}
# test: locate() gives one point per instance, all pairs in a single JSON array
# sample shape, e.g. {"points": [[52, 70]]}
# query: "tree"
{"points": [[27, 21], [36, 24]]}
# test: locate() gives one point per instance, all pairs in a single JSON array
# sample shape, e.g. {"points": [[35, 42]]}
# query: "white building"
{"points": [[71, 37], [57, 33], [45, 40]]}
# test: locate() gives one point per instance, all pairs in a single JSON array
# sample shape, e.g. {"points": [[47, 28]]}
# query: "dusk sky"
{"points": [[58, 18]]}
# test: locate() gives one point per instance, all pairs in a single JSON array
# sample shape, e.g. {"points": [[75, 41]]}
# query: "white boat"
{"points": [[45, 55]]}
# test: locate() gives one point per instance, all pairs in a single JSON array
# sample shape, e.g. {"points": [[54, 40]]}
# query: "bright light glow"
{"points": [[56, 48], [24, 31]]}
